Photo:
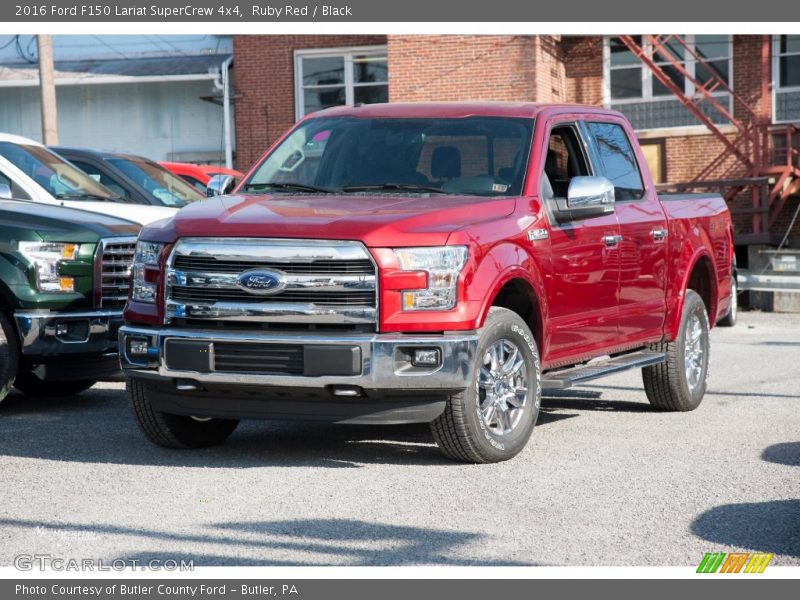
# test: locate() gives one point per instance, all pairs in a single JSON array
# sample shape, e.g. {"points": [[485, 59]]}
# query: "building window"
{"points": [[786, 76], [631, 88], [655, 154], [332, 77]]}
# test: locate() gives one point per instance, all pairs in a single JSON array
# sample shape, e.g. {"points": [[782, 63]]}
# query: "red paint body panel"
{"points": [[588, 299]]}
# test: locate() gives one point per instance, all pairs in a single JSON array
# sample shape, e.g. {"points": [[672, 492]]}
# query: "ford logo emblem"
{"points": [[262, 282]]}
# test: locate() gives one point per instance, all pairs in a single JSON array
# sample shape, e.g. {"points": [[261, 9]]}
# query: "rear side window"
{"points": [[618, 160]]}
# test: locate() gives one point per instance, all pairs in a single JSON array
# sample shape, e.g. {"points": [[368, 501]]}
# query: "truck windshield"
{"points": [[483, 156], [169, 189], [58, 177]]}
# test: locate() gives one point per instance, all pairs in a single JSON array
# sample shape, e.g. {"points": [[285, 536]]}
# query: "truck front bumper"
{"points": [[64, 345], [359, 378]]}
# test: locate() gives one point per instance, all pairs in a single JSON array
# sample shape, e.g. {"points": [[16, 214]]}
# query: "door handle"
{"points": [[659, 234], [612, 240]]}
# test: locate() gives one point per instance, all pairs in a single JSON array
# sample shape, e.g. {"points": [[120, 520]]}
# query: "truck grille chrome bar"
{"points": [[271, 281], [113, 262]]}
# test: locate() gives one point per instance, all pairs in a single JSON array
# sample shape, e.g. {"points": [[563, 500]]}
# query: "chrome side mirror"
{"points": [[587, 197], [220, 185], [5, 191]]}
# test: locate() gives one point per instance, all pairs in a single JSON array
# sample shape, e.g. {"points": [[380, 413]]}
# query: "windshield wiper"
{"points": [[405, 187], [286, 185]]}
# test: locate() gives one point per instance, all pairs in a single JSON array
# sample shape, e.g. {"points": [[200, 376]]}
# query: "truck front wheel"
{"points": [[9, 357], [493, 418], [175, 431], [679, 383]]}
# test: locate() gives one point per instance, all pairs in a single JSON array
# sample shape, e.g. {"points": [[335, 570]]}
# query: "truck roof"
{"points": [[454, 109]]}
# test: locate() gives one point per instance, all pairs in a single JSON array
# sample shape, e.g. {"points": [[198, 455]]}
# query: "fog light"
{"points": [[62, 329], [138, 347], [426, 357]]}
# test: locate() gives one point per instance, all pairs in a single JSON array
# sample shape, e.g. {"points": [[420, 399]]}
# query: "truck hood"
{"points": [[56, 224], [377, 220], [138, 213]]}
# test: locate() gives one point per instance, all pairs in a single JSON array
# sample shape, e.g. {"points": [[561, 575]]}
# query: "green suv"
{"points": [[63, 283]]}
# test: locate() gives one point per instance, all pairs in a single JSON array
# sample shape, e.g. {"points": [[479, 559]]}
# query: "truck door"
{"points": [[643, 226], [583, 301]]}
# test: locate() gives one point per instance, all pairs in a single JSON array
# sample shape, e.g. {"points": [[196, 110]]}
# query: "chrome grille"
{"points": [[320, 282], [212, 264], [113, 271]]}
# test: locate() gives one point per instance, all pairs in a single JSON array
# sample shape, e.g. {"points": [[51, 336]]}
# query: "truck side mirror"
{"points": [[586, 197], [219, 185], [5, 191]]}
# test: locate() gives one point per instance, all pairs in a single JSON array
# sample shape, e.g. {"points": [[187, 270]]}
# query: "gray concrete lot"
{"points": [[604, 480]]}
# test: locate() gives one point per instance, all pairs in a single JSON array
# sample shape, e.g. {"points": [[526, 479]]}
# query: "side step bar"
{"points": [[561, 380]]}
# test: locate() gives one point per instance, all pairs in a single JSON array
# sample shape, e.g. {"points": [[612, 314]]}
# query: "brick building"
{"points": [[281, 78]]}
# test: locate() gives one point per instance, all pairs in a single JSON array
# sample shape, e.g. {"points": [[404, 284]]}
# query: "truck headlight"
{"points": [[147, 254], [46, 258], [442, 265]]}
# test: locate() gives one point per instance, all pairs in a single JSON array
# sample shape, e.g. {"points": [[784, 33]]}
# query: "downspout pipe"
{"points": [[227, 129]]}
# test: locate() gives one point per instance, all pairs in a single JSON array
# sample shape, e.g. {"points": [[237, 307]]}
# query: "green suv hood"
{"points": [[59, 224]]}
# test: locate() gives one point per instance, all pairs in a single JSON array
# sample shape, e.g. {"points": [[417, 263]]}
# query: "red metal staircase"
{"points": [[758, 158]]}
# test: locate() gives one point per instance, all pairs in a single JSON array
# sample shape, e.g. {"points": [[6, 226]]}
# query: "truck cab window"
{"points": [[564, 160], [618, 160]]}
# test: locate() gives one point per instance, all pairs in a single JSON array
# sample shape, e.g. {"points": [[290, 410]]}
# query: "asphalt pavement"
{"points": [[604, 481]]}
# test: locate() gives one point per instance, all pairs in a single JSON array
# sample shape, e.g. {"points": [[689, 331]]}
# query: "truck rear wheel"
{"points": [[492, 420], [175, 431], [28, 383], [679, 383], [9, 357]]}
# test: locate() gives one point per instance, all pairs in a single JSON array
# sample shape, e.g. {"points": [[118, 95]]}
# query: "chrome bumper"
{"points": [[46, 333], [382, 364]]}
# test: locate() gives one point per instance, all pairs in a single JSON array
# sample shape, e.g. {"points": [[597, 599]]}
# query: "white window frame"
{"points": [[348, 53], [647, 77], [776, 78]]}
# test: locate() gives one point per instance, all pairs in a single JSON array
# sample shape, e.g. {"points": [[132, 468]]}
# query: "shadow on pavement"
{"points": [[97, 427], [323, 541], [589, 400], [772, 526], [784, 454]]}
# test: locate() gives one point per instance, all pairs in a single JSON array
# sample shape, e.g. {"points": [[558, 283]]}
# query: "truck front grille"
{"points": [[113, 271], [314, 282]]}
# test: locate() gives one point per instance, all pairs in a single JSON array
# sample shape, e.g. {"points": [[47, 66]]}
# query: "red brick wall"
{"points": [[462, 67], [264, 85]]}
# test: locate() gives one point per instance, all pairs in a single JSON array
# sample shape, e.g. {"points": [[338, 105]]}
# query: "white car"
{"points": [[30, 171]]}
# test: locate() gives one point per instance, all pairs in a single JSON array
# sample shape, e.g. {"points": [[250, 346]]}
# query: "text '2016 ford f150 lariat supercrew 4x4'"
{"points": [[436, 263]]}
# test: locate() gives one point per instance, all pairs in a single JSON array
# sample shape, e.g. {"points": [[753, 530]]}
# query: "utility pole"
{"points": [[47, 86]]}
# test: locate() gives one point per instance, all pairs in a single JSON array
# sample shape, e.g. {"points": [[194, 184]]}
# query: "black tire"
{"points": [[31, 385], [175, 431], [460, 431], [729, 320], [9, 357], [668, 385]]}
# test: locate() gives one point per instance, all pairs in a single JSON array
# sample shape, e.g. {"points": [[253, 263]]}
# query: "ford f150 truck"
{"points": [[436, 263], [63, 282]]}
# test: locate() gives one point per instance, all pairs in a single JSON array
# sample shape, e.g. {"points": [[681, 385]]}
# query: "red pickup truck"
{"points": [[436, 263]]}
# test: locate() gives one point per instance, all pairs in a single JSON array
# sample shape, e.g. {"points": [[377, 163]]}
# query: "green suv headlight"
{"points": [[46, 258]]}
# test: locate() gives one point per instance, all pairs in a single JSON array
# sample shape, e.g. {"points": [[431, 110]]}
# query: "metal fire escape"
{"points": [[758, 159]]}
